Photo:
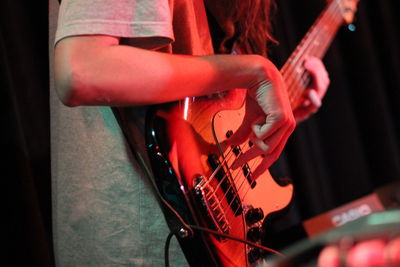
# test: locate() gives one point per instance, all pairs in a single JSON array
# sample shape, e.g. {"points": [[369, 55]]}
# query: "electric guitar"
{"points": [[186, 143]]}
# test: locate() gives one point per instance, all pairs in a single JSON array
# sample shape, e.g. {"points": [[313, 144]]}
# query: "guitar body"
{"points": [[190, 155]]}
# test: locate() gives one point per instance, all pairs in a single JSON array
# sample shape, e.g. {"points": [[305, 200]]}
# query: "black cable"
{"points": [[236, 239], [203, 229], [166, 249]]}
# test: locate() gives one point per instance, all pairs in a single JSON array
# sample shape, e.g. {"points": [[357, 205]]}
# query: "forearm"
{"points": [[99, 71], [119, 75]]}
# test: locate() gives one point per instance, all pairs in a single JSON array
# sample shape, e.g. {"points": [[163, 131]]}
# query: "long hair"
{"points": [[249, 25]]}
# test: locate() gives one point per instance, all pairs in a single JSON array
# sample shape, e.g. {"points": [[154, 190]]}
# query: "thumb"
{"points": [[243, 132]]}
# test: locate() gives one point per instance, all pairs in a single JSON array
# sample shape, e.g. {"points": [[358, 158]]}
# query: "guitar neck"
{"points": [[314, 44]]}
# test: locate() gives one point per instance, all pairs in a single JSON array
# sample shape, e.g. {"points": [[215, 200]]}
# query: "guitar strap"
{"points": [[134, 135]]}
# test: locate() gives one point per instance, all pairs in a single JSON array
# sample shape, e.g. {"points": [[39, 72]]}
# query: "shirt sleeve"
{"points": [[121, 18]]}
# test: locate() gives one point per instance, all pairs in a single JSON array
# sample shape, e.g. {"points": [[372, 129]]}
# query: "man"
{"points": [[138, 53]]}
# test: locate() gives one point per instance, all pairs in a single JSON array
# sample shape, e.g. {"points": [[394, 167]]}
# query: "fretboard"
{"points": [[314, 44]]}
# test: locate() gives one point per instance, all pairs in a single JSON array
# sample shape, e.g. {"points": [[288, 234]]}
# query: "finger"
{"points": [[319, 84], [314, 98], [312, 64], [306, 102], [243, 132], [262, 167], [320, 77], [269, 159], [259, 143], [261, 147], [302, 113], [315, 66], [272, 123], [313, 104], [246, 156]]}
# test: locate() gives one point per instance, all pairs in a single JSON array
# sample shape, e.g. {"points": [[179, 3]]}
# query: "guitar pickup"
{"points": [[224, 180], [245, 168]]}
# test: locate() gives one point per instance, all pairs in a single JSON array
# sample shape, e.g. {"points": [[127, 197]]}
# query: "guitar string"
{"points": [[243, 182], [293, 64], [293, 85], [307, 45], [317, 51], [328, 19], [231, 186], [255, 162], [309, 38], [226, 176], [336, 20], [239, 171], [304, 81], [306, 78], [219, 185], [292, 71], [234, 177], [235, 212], [296, 88], [225, 159]]}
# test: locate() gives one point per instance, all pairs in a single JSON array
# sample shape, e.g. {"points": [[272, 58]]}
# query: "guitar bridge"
{"points": [[208, 198]]}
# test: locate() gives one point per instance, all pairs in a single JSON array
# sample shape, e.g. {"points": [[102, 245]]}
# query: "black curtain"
{"points": [[351, 146], [358, 127], [342, 153], [25, 133]]}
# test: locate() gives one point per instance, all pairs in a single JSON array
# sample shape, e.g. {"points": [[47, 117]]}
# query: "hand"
{"points": [[314, 94], [268, 121]]}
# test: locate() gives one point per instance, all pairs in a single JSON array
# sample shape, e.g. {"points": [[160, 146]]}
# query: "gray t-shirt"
{"points": [[104, 210]]}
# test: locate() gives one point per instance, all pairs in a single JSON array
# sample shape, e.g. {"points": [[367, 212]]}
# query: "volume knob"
{"points": [[254, 234], [254, 215], [254, 255]]}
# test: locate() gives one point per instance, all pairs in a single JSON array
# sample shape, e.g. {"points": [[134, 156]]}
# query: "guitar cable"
{"points": [[210, 231]]}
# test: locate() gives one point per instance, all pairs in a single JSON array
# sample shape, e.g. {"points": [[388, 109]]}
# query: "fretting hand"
{"points": [[314, 94]]}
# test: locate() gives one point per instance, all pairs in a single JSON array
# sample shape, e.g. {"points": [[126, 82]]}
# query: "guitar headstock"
{"points": [[348, 8]]}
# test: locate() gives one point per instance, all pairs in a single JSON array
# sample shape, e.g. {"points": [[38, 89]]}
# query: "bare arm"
{"points": [[96, 70]]}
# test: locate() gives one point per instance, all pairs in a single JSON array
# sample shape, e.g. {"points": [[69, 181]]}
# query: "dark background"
{"points": [[347, 150]]}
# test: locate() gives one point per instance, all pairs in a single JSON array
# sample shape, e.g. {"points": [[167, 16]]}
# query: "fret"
{"points": [[315, 44]]}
